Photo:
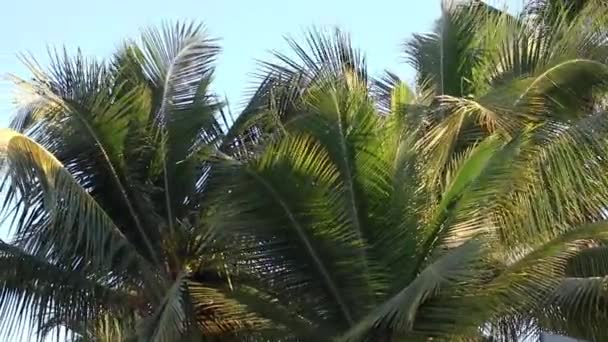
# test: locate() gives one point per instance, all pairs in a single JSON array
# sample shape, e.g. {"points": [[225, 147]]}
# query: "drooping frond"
{"points": [[32, 288], [577, 308], [86, 129], [528, 285], [291, 229], [55, 216], [402, 315]]}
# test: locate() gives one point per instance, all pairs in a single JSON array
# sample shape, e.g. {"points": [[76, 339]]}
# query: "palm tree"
{"points": [[335, 206], [506, 124], [105, 178]]}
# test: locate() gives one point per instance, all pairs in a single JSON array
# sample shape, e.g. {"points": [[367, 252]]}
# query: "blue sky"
{"points": [[248, 30]]}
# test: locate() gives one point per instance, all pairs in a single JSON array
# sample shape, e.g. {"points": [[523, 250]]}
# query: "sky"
{"points": [[247, 29]]}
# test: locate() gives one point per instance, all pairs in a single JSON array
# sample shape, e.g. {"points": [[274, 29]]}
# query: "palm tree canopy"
{"points": [[336, 206]]}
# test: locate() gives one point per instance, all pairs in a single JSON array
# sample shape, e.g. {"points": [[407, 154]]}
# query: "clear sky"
{"points": [[248, 30]]}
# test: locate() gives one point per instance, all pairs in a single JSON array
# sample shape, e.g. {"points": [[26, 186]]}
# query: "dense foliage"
{"points": [[336, 205]]}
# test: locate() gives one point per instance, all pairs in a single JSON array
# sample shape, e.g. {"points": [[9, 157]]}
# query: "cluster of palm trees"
{"points": [[335, 206]]}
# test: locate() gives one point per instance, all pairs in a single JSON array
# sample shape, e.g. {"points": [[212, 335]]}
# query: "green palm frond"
{"points": [[590, 262], [562, 99], [282, 204], [56, 215], [399, 209], [465, 210], [577, 308], [557, 162], [550, 11], [525, 287], [324, 55], [196, 310], [446, 59], [529, 79], [179, 62], [510, 108], [527, 47], [32, 288], [170, 320], [275, 317], [86, 130], [391, 93], [105, 327], [218, 312], [402, 315]]}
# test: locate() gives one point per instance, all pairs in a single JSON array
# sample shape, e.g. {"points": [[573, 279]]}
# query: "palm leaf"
{"points": [[446, 59], [170, 320], [297, 233], [37, 183], [33, 288], [94, 125], [398, 316], [178, 62]]}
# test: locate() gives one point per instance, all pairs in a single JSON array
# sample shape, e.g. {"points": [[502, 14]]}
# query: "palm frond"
{"points": [[32, 288], [55, 216], [550, 11], [557, 161], [527, 284], [446, 59], [170, 320], [324, 55], [399, 316], [555, 85], [178, 61], [86, 129], [590, 262], [293, 230], [454, 218], [577, 308], [219, 312]]}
